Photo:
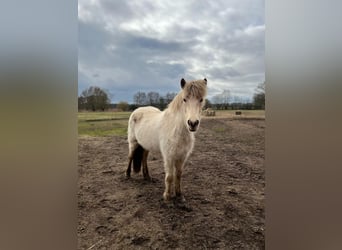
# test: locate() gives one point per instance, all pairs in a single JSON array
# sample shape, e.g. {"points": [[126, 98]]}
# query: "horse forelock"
{"points": [[197, 89]]}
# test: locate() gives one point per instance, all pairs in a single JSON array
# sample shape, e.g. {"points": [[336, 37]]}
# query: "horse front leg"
{"points": [[179, 169], [168, 180]]}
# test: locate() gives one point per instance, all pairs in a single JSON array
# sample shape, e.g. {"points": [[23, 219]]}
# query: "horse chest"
{"points": [[178, 146]]}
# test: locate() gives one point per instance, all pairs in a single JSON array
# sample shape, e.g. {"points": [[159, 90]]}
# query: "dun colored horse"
{"points": [[170, 132]]}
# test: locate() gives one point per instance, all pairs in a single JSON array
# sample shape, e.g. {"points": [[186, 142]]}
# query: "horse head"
{"points": [[193, 94]]}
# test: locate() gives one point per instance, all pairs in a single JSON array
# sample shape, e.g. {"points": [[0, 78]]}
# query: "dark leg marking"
{"points": [[128, 171], [145, 168]]}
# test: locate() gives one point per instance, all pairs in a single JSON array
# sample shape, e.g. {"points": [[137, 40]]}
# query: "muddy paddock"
{"points": [[223, 183]]}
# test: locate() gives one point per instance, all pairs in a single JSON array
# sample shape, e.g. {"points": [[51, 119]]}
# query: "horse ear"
{"points": [[182, 83], [205, 79]]}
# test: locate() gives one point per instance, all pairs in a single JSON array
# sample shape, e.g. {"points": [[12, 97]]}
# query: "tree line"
{"points": [[153, 99], [225, 100], [94, 98], [259, 96]]}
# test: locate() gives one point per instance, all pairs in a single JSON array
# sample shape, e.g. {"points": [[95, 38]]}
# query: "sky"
{"points": [[141, 45]]}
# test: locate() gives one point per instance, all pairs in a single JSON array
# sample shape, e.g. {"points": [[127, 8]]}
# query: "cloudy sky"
{"points": [[142, 45]]}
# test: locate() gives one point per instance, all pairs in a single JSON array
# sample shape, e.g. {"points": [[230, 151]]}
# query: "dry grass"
{"points": [[245, 114]]}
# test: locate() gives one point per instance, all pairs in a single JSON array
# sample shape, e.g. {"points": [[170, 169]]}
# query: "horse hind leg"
{"points": [[145, 168], [128, 171], [131, 148]]}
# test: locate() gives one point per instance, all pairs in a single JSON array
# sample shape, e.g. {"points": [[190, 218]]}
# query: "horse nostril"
{"points": [[193, 124]]}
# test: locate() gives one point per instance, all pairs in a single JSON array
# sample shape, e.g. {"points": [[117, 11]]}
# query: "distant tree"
{"points": [[226, 97], [133, 107], [169, 97], [222, 100], [248, 105], [94, 98], [207, 104], [153, 98], [216, 100], [162, 104], [123, 106], [81, 103], [140, 98], [259, 96], [237, 99]]}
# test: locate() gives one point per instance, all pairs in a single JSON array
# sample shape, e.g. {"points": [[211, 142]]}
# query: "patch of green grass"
{"points": [[93, 116], [103, 123], [219, 129]]}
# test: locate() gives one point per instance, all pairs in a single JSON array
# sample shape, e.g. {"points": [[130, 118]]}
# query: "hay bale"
{"points": [[209, 112]]}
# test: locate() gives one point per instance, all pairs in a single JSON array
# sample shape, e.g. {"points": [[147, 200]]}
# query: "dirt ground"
{"points": [[223, 183]]}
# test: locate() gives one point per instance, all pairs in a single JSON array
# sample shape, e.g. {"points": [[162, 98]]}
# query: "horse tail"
{"points": [[137, 158]]}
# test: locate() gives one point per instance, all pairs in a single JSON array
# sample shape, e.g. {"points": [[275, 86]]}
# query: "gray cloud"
{"points": [[129, 46]]}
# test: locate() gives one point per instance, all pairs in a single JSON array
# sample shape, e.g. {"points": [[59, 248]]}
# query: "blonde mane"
{"points": [[197, 89]]}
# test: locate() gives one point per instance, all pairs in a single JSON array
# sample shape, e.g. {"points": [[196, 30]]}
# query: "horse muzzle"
{"points": [[193, 125]]}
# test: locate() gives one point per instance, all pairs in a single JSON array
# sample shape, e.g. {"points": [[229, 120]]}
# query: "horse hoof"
{"points": [[181, 203], [166, 203], [148, 178], [167, 197], [184, 207], [180, 199], [169, 204]]}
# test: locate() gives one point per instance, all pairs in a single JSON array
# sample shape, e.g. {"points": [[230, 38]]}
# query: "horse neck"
{"points": [[175, 115], [176, 104]]}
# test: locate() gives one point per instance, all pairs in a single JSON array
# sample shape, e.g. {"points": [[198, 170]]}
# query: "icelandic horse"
{"points": [[170, 132]]}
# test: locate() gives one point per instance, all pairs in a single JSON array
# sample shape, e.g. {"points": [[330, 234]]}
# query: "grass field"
{"points": [[103, 123], [115, 123], [244, 114]]}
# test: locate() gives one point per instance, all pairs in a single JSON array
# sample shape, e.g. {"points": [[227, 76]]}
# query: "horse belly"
{"points": [[147, 133], [148, 139]]}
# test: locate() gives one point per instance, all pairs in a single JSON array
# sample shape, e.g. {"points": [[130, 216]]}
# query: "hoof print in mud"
{"points": [[148, 179], [169, 204], [180, 199], [176, 203], [101, 230], [183, 206], [139, 240]]}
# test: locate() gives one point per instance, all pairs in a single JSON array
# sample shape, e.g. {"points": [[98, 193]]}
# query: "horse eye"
{"points": [[201, 100], [184, 100]]}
